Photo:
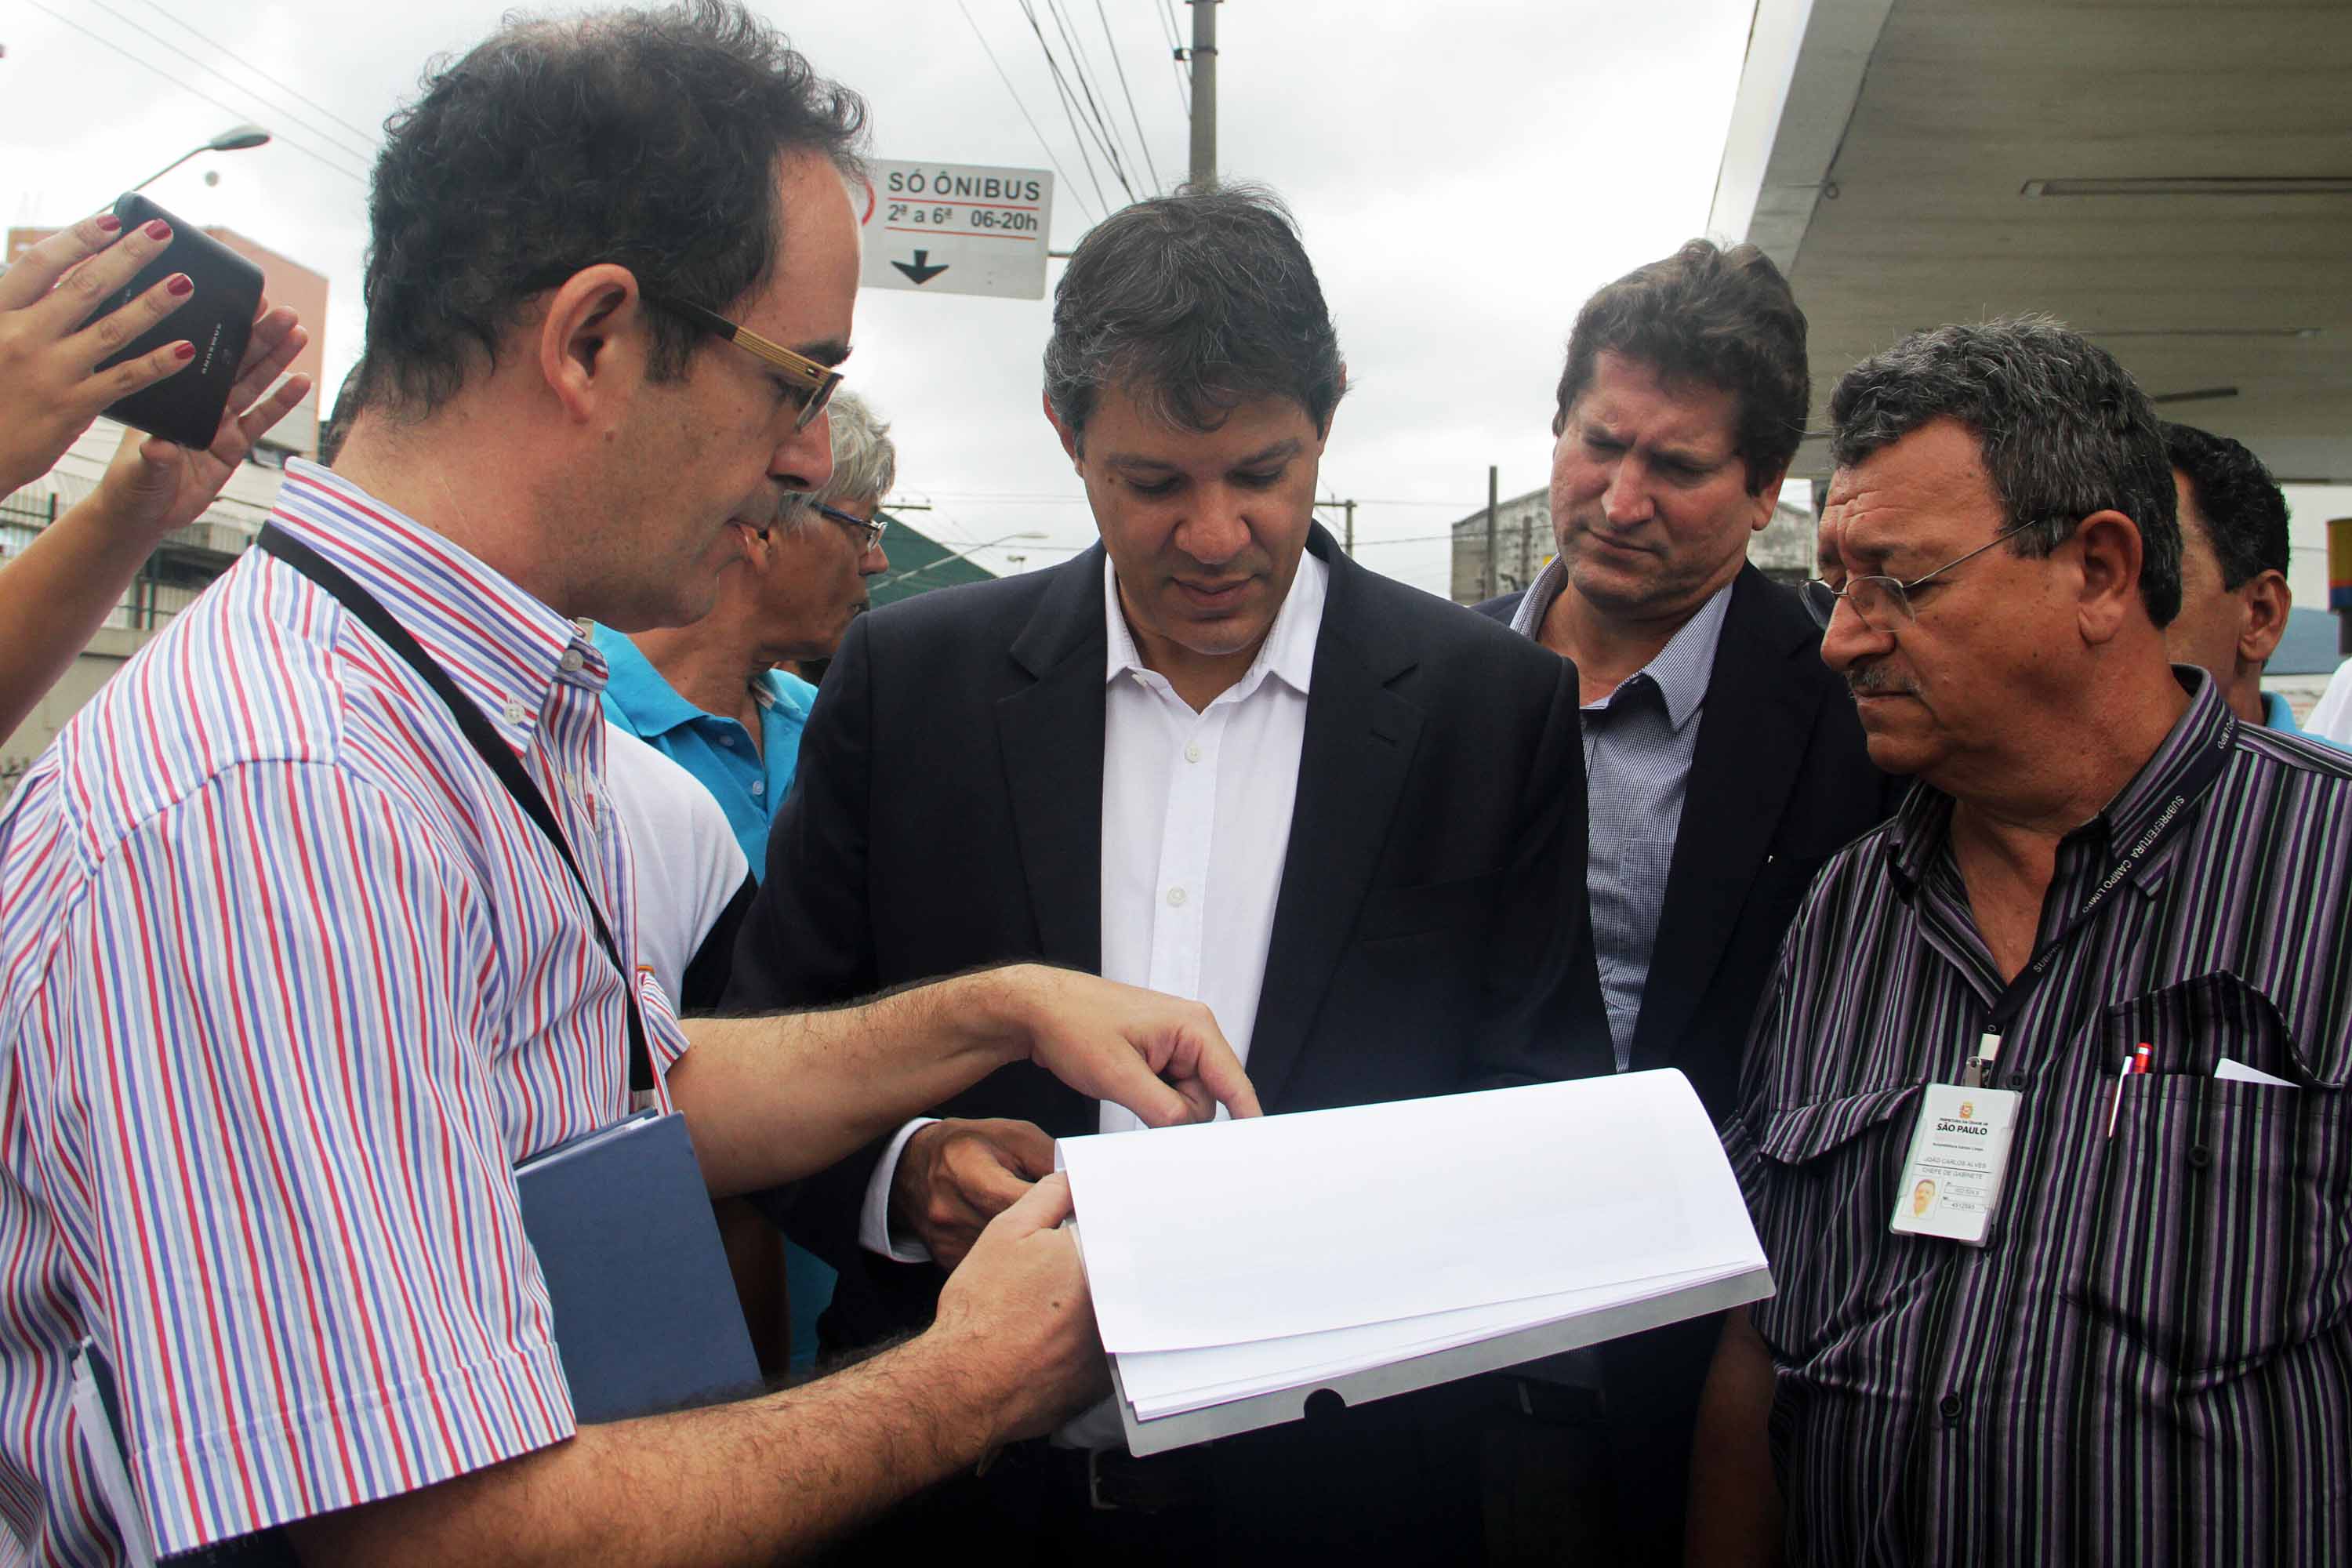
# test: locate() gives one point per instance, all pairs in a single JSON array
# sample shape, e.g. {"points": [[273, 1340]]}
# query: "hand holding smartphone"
{"points": [[52, 337], [217, 319]]}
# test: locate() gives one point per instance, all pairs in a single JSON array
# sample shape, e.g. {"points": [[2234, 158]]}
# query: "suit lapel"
{"points": [[1051, 731], [1751, 738], [1360, 740]]}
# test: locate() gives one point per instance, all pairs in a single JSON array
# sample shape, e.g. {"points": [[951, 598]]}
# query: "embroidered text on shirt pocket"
{"points": [[2221, 1232]]}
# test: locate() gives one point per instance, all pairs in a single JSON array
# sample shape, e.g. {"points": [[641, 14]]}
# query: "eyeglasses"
{"points": [[871, 527], [813, 383], [1883, 603]]}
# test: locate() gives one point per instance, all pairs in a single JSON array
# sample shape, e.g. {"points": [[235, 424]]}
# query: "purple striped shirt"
{"points": [[289, 984], [2151, 1359]]}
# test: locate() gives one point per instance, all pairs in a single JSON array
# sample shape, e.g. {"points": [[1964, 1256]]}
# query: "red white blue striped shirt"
{"points": [[289, 984]]}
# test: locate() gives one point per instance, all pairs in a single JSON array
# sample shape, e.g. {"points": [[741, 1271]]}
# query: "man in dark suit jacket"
{"points": [[1726, 761], [1778, 781], [1095, 765]]}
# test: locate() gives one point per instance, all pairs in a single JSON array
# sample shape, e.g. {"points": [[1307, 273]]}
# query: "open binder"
{"points": [[1239, 1268]]}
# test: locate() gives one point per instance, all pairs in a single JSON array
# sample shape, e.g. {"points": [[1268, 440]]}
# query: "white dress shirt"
{"points": [[1195, 827], [688, 864]]}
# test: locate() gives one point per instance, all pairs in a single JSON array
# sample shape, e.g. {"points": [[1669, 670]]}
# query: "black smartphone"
{"points": [[186, 407]]}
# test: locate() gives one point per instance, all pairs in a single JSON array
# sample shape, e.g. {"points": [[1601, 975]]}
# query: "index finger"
{"points": [[32, 275], [1203, 1055], [86, 286], [986, 1184]]}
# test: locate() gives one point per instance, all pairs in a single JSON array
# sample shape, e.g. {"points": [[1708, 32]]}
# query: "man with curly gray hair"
{"points": [[2093, 981]]}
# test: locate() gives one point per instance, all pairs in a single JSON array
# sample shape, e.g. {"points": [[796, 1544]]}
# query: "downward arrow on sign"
{"points": [[917, 271]]}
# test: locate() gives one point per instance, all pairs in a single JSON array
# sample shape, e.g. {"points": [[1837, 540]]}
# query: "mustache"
{"points": [[1877, 681]]}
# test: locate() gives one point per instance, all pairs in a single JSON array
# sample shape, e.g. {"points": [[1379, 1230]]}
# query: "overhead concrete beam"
{"points": [[1806, 63]]}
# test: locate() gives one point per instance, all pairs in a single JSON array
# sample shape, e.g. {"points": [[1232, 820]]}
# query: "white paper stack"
{"points": [[1239, 1267]]}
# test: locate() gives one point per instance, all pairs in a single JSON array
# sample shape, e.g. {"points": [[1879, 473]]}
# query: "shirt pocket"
{"points": [[1829, 1179], [2220, 1239]]}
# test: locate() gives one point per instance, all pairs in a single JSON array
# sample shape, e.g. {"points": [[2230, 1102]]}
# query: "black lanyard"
{"points": [[488, 743], [2203, 770]]}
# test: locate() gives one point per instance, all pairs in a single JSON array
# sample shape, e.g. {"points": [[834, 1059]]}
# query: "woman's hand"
{"points": [[50, 385], [154, 486]]}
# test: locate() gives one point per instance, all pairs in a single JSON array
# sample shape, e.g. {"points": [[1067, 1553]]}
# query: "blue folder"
{"points": [[646, 1318]]}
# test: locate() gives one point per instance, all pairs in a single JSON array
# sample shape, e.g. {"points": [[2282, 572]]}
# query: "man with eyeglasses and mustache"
{"points": [[1217, 756], [315, 923], [2094, 979], [1724, 765]]}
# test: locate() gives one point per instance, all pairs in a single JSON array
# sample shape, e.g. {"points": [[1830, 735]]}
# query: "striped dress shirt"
{"points": [[2151, 1359], [289, 984]]}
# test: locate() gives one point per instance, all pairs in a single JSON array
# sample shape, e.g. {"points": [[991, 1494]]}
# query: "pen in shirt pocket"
{"points": [[2132, 1066]]}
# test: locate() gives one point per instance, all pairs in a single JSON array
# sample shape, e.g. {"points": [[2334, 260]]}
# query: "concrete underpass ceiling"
{"points": [[1881, 153]]}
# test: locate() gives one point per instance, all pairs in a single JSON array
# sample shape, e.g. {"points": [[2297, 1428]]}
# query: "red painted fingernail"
{"points": [[159, 229], [108, 224], [183, 351], [180, 286]]}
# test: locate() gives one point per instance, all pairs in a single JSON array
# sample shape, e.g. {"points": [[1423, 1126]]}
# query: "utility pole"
{"points": [[1204, 90], [1347, 535], [1494, 579]]}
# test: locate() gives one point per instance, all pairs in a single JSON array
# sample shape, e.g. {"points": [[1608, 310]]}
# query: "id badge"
{"points": [[1959, 1152]]}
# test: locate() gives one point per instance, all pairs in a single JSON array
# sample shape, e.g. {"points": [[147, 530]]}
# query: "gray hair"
{"points": [[864, 463], [2063, 431], [1193, 304]]}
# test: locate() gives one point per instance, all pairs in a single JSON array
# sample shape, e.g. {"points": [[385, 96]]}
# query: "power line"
{"points": [[1025, 112], [369, 137], [1106, 131], [1069, 111], [1120, 66], [195, 91], [1079, 125], [1176, 58], [325, 137]]}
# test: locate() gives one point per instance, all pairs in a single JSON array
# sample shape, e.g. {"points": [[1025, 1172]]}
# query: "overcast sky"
{"points": [[1464, 174]]}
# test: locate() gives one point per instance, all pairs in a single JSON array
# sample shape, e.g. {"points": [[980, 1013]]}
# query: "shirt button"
{"points": [[1193, 752], [2200, 1157], [1949, 1407], [571, 660], [726, 740], [1175, 897], [514, 713], [759, 786]]}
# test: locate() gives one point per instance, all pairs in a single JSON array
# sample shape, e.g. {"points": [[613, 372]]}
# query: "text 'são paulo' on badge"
{"points": [[1959, 1151]]}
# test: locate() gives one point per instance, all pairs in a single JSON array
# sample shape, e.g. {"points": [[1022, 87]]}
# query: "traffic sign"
{"points": [[957, 228]]}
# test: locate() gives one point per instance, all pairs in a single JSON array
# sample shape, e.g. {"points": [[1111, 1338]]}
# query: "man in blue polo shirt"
{"points": [[709, 697], [743, 752]]}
